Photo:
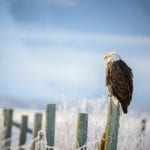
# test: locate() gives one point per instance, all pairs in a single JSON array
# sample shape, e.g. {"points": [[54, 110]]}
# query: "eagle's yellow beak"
{"points": [[106, 57]]}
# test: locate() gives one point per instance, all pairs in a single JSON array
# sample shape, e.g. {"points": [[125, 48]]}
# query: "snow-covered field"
{"points": [[130, 135]]}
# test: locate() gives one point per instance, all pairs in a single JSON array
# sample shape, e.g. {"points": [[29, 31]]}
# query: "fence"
{"points": [[108, 141]]}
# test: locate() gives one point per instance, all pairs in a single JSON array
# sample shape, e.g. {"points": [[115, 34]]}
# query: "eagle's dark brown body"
{"points": [[119, 80]]}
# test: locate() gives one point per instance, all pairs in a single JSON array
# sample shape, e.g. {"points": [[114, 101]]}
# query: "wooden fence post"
{"points": [[50, 124], [23, 130], [82, 129], [110, 136], [4, 117], [36, 127], [8, 124]]}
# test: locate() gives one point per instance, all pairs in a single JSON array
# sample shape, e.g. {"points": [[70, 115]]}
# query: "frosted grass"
{"points": [[130, 136]]}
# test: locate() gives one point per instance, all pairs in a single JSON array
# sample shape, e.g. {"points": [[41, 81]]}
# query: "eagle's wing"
{"points": [[119, 82]]}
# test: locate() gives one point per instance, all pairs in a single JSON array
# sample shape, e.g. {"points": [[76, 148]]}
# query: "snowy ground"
{"points": [[130, 137]]}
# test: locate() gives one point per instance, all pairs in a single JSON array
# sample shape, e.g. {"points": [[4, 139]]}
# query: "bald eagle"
{"points": [[119, 79]]}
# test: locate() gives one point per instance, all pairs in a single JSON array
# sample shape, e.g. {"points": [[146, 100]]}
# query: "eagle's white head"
{"points": [[112, 56]]}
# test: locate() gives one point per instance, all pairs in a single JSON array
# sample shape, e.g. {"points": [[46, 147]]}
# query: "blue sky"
{"points": [[50, 47]]}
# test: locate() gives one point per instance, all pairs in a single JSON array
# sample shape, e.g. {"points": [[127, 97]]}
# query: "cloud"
{"points": [[46, 36], [35, 11], [63, 2]]}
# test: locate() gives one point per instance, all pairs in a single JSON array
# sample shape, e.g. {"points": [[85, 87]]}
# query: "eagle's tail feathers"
{"points": [[125, 109]]}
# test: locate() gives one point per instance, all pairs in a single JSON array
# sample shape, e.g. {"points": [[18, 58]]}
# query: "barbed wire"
{"points": [[41, 144]]}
